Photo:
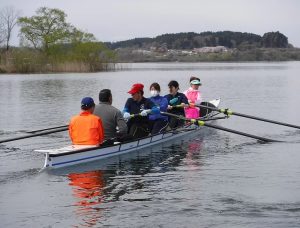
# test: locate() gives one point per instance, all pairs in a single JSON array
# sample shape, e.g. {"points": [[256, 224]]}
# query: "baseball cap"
{"points": [[87, 102], [136, 88]]}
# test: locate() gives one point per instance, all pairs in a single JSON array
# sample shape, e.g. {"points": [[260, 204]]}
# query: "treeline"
{"points": [[191, 40], [50, 44]]}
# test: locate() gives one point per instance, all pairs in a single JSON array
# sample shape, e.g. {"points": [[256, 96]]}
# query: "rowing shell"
{"points": [[77, 154]]}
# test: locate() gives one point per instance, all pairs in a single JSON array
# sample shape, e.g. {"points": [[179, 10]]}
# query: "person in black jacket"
{"points": [[139, 125], [177, 101]]}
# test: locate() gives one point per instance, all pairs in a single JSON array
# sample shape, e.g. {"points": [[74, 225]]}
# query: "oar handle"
{"points": [[178, 106], [140, 114]]}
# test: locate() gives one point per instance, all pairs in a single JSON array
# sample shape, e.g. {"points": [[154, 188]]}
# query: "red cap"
{"points": [[136, 88]]}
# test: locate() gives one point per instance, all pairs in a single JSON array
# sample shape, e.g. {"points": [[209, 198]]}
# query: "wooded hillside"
{"points": [[193, 40]]}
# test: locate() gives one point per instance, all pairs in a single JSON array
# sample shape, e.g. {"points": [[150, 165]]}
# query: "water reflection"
{"points": [[128, 178], [193, 152], [87, 189]]}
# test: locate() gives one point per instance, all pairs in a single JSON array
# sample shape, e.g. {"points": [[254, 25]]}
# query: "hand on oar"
{"points": [[144, 112], [230, 112], [128, 116], [203, 123], [182, 105]]}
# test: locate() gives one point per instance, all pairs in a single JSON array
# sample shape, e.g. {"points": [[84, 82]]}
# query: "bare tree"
{"points": [[8, 20], [2, 32]]}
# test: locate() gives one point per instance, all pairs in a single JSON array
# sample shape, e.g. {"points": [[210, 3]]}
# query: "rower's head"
{"points": [[137, 91], [154, 89], [105, 96], [195, 82], [88, 104], [173, 87]]}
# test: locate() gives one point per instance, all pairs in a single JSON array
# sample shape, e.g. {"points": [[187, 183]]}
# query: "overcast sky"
{"points": [[115, 20]]}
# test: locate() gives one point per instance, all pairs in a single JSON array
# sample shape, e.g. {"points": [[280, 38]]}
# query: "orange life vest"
{"points": [[86, 129]]}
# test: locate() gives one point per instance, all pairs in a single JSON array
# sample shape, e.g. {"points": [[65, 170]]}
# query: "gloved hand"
{"points": [[126, 115], [145, 112], [173, 101], [155, 110]]}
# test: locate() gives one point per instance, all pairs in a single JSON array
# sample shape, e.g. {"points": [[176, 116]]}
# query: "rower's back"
{"points": [[112, 118]]}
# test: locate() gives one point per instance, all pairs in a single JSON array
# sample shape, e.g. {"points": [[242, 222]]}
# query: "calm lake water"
{"points": [[215, 179]]}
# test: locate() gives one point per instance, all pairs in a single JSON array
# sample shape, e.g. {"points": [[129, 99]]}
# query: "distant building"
{"points": [[217, 49], [142, 51]]}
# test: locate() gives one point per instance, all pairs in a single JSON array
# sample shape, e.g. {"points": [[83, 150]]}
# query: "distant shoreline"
{"points": [[123, 66], [124, 56], [223, 55]]}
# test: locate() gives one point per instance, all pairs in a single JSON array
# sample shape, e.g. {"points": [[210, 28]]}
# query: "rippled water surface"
{"points": [[213, 179]]}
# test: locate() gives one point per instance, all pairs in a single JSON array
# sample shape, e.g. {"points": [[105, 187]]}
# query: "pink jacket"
{"points": [[194, 96]]}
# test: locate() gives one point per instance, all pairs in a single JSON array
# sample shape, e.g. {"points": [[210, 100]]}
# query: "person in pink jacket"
{"points": [[193, 95]]}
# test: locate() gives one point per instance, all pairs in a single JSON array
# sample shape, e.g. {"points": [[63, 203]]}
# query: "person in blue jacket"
{"points": [[177, 101], [158, 121]]}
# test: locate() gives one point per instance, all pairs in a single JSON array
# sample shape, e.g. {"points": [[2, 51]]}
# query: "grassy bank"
{"points": [[26, 60]]}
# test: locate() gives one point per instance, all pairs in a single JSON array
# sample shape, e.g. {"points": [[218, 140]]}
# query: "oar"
{"points": [[139, 114], [46, 129], [203, 123], [230, 112], [33, 135]]}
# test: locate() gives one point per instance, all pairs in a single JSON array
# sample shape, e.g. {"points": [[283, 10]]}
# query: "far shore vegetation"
{"points": [[49, 44]]}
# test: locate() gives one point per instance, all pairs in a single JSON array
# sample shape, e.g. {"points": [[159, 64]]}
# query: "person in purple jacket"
{"points": [[159, 122]]}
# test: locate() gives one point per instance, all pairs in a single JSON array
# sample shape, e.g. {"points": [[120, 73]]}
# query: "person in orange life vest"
{"points": [[86, 128], [193, 95]]}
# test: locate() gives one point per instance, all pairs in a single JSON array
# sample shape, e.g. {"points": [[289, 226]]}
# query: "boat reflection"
{"points": [[96, 184]]}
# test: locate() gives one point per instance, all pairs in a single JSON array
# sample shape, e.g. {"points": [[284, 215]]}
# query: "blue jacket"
{"points": [[162, 103]]}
